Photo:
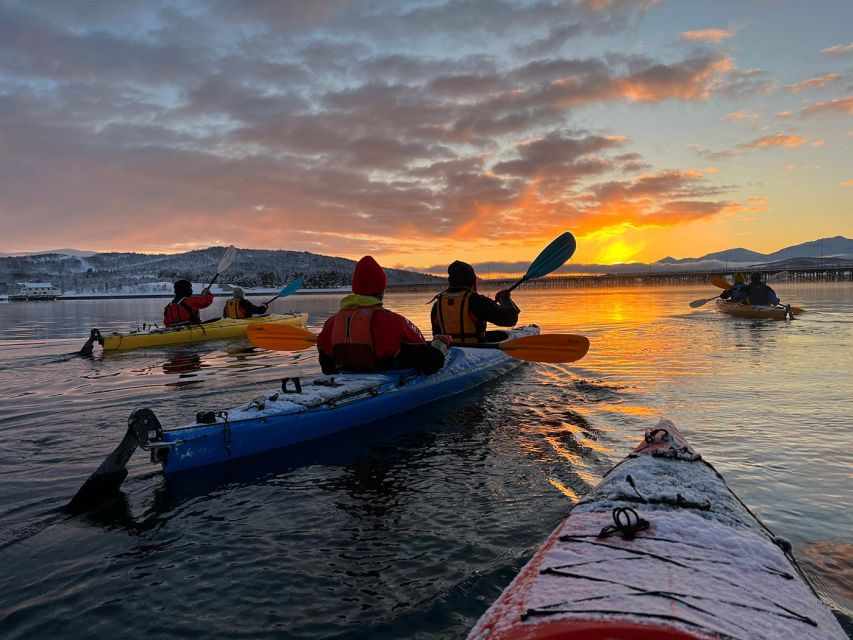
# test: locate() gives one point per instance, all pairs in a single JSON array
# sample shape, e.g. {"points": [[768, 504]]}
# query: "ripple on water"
{"points": [[414, 523]]}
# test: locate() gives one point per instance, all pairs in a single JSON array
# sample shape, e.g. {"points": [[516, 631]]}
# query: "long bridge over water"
{"points": [[836, 273]]}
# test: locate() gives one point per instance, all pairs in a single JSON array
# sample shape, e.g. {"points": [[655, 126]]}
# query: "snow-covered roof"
{"points": [[38, 285]]}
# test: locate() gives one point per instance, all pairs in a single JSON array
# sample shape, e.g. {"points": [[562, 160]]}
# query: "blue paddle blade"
{"points": [[553, 256], [293, 287]]}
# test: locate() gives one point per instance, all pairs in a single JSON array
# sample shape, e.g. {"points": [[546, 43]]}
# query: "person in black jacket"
{"points": [[238, 307], [462, 313], [759, 292]]}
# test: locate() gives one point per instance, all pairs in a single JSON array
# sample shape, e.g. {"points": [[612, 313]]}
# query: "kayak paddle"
{"points": [[552, 257], [698, 303], [291, 288], [227, 259], [543, 348]]}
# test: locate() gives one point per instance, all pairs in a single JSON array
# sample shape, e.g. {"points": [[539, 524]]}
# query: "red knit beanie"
{"points": [[368, 277]]}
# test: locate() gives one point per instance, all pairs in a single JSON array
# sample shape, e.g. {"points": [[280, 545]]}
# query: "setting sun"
{"points": [[618, 251]]}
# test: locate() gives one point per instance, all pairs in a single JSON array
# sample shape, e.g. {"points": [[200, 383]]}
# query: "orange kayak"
{"points": [[661, 549], [741, 310]]}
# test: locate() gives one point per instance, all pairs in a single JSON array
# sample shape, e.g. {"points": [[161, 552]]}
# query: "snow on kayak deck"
{"points": [[345, 387], [705, 565]]}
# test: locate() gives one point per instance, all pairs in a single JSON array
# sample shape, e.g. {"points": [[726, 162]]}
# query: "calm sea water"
{"points": [[409, 528]]}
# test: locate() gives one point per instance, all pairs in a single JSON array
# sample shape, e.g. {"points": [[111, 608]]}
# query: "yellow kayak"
{"points": [[219, 329], [741, 310]]}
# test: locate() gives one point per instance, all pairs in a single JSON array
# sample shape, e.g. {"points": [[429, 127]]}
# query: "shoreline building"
{"points": [[36, 291]]}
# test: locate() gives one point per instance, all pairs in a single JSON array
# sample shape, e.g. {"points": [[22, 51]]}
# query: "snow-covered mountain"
{"points": [[105, 272], [839, 247]]}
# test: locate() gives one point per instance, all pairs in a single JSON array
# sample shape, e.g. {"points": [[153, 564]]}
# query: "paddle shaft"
{"points": [[536, 348]]}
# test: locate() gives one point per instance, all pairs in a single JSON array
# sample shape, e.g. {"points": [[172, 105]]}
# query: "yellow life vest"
{"points": [[233, 309], [455, 319]]}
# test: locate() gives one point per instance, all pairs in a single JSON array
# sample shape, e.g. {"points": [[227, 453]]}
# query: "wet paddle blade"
{"points": [[288, 290], [698, 303], [553, 256], [555, 347], [277, 337]]}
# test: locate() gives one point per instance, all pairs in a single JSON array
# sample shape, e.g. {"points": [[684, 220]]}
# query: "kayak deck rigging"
{"points": [[299, 411], [661, 548]]}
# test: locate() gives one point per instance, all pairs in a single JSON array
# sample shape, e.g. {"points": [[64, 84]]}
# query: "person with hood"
{"points": [[760, 293], [364, 336], [238, 307], [738, 291], [184, 307], [462, 313]]}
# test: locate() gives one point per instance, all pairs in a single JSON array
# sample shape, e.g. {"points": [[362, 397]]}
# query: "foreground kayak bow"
{"points": [[661, 549]]}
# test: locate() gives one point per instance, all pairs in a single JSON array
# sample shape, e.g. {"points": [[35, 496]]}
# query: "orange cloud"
{"points": [[757, 204], [839, 105], [813, 83], [847, 183], [740, 116], [778, 140], [707, 35], [838, 50], [790, 141]]}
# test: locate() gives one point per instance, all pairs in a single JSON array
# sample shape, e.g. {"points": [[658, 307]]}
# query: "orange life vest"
{"points": [[177, 313], [455, 318], [233, 309], [352, 339]]}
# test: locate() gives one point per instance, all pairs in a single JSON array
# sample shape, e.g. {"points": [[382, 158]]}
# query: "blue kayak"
{"points": [[312, 408]]}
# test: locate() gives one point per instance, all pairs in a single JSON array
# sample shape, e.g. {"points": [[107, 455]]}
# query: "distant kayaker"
{"points": [[462, 313], [363, 336], [738, 291], [238, 307], [760, 293], [184, 307]]}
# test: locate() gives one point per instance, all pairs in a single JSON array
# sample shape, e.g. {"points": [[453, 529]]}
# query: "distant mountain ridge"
{"points": [[104, 272], [838, 246], [65, 252]]}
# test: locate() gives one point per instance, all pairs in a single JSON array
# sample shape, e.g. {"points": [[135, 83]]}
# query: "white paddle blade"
{"points": [[227, 259]]}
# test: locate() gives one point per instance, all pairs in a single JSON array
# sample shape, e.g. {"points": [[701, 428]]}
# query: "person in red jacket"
{"points": [[462, 313], [364, 336], [184, 307]]}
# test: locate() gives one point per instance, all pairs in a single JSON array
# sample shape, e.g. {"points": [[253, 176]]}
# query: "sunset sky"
{"points": [[425, 131]]}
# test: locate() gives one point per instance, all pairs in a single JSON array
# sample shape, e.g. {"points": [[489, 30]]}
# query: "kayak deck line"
{"points": [[661, 548], [296, 412]]}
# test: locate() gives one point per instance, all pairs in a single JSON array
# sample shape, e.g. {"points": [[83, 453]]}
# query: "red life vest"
{"points": [[455, 319], [352, 339], [233, 309], [180, 313]]}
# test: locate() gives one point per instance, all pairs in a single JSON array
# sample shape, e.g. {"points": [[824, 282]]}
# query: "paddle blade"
{"points": [[719, 282], [553, 256], [280, 337], [556, 347], [227, 259], [698, 303], [291, 288]]}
